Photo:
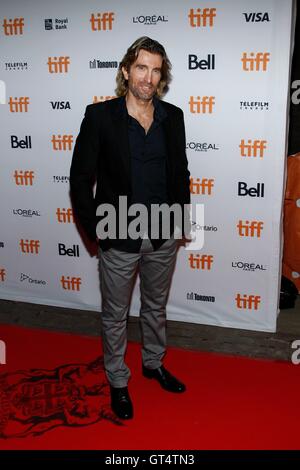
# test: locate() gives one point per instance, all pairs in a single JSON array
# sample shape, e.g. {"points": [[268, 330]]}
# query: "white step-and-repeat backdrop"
{"points": [[231, 62]]}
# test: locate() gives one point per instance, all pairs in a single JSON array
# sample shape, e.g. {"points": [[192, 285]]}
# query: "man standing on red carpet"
{"points": [[134, 146]]}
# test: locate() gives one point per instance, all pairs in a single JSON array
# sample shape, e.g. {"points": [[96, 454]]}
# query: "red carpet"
{"points": [[53, 395]]}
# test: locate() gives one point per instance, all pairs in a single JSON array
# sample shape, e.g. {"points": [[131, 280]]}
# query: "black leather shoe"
{"points": [[121, 403], [166, 380]]}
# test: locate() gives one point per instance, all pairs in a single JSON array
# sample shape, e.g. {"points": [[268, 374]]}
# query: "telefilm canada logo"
{"points": [[15, 66]]}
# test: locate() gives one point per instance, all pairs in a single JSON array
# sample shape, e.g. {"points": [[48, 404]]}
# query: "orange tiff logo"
{"points": [[62, 142], [250, 229], [201, 186], [255, 62], [24, 178], [13, 27], [203, 262], [70, 283], [2, 274], [202, 17], [18, 105], [102, 21], [30, 246], [202, 105], [64, 216], [248, 302], [253, 148], [58, 64]]}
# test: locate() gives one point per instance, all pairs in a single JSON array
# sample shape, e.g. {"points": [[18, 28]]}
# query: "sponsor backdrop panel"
{"points": [[231, 78]]}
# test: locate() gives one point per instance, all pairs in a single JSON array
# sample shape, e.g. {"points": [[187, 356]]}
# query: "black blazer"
{"points": [[101, 153]]}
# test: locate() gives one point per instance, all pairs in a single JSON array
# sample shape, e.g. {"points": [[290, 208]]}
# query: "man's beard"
{"points": [[147, 95]]}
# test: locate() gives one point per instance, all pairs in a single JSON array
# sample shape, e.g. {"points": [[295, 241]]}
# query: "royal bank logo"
{"points": [[248, 267], [194, 63], [201, 146], [61, 179], [28, 213], [30, 280], [103, 64], [254, 105], [60, 105], [56, 23], [256, 17], [200, 297], [149, 20], [15, 66]]}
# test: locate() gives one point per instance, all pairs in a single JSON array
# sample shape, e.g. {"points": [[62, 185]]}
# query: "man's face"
{"points": [[144, 75]]}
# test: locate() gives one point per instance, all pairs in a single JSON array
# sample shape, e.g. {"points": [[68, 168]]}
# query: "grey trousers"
{"points": [[117, 276]]}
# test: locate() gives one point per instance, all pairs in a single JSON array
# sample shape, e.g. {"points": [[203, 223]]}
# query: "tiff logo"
{"points": [[18, 105], [64, 216], [255, 62], [254, 149], [204, 186], [248, 302], [201, 106], [102, 21], [2, 352], [13, 27], [58, 65], [2, 274], [62, 142], [203, 262], [30, 246], [202, 17], [250, 229], [24, 178], [72, 283]]}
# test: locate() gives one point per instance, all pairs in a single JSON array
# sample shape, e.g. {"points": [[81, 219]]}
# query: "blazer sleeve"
{"points": [[83, 172]]}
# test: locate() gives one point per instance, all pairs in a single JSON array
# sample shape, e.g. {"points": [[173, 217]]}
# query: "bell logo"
{"points": [[70, 283], [255, 62], [13, 27], [100, 99], [30, 246], [58, 64], [203, 262], [201, 106], [204, 186], [62, 142], [248, 302], [102, 21], [24, 178], [2, 274], [64, 216], [18, 105], [250, 229], [202, 17], [254, 149]]}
